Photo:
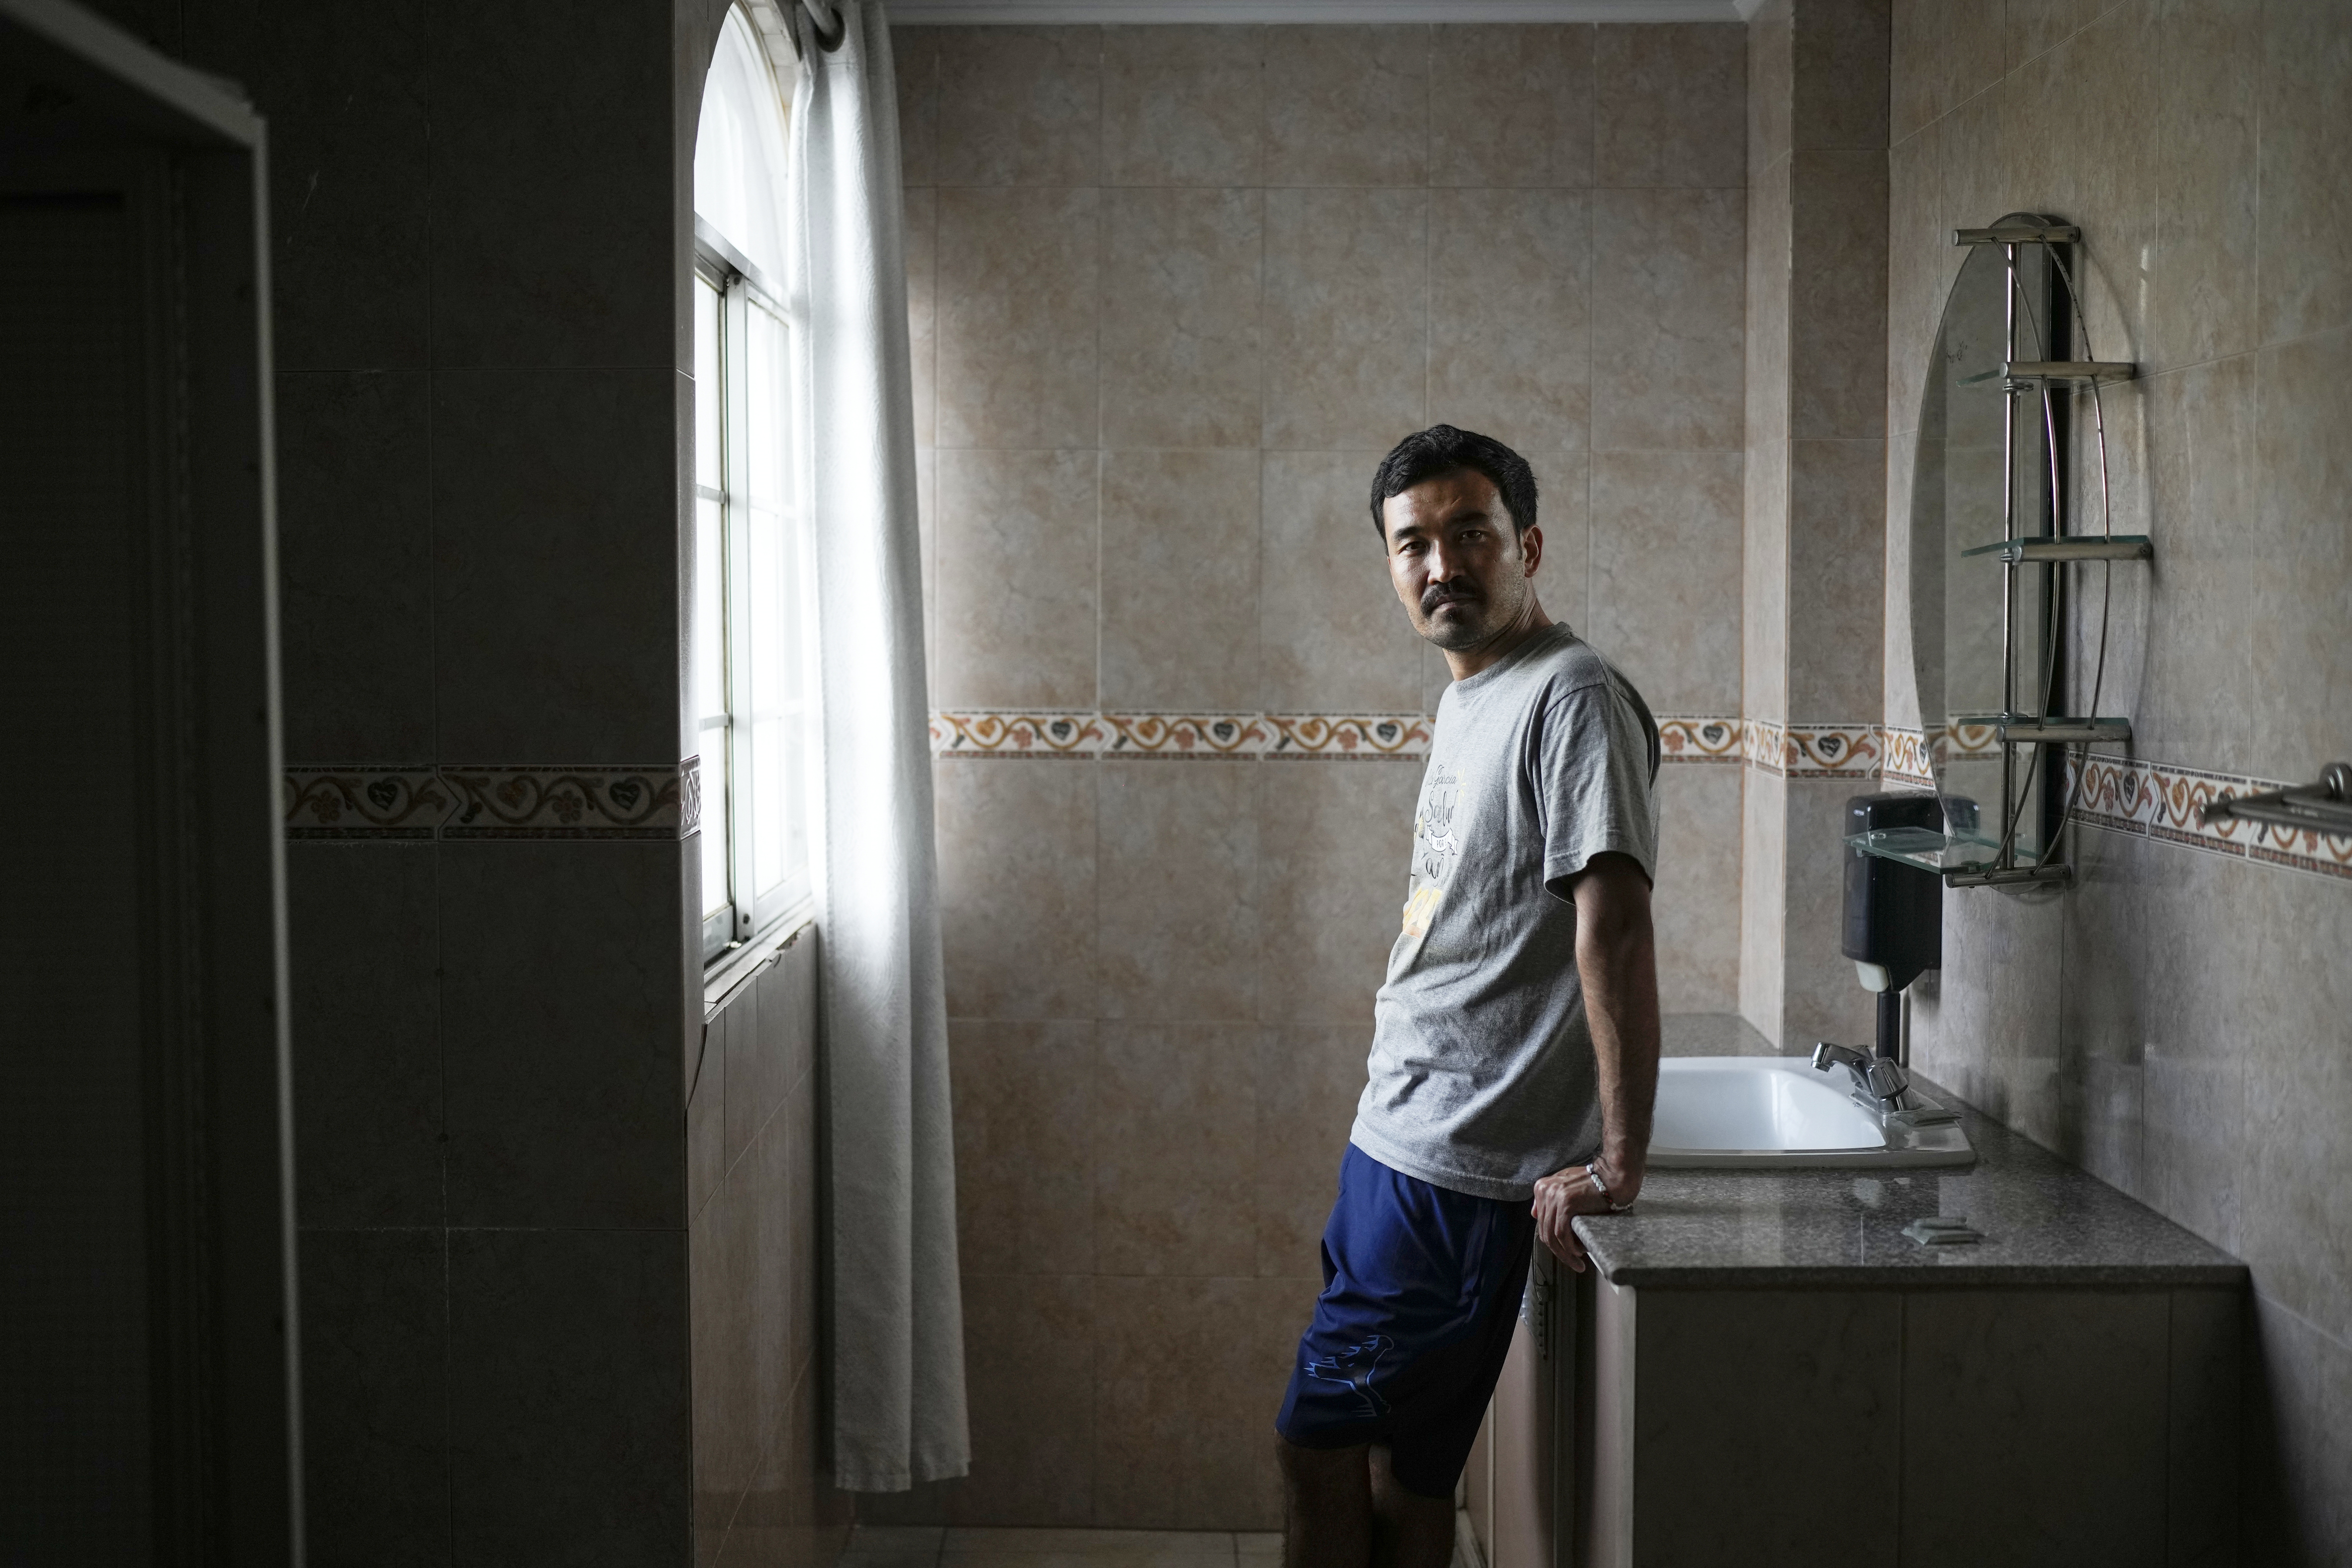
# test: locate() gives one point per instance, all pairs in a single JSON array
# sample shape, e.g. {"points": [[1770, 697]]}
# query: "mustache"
{"points": [[1454, 590]]}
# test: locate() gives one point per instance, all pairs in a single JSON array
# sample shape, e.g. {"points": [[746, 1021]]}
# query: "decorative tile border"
{"points": [[2118, 795], [585, 801], [1188, 735], [2158, 800], [1700, 738], [1231, 735], [1909, 756], [1352, 734], [1905, 757], [1820, 750], [1812, 750], [651, 802], [363, 802], [1018, 733], [1967, 740]]}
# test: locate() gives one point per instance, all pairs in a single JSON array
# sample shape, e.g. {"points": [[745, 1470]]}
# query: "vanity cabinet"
{"points": [[1820, 1427], [1926, 1426], [1764, 1369]]}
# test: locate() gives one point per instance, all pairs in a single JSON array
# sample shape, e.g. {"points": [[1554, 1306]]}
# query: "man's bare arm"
{"points": [[1617, 960]]}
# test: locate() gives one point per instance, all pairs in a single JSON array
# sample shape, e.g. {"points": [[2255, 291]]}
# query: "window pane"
{"points": [[777, 573], [790, 733], [767, 415], [738, 147], [774, 692], [710, 697], [710, 632], [710, 613], [710, 385], [769, 765], [714, 822], [799, 738]]}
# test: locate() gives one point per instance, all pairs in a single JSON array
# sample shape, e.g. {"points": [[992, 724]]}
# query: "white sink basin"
{"points": [[1757, 1112]]}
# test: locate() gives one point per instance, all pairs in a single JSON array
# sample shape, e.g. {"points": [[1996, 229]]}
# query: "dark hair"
{"points": [[1441, 449]]}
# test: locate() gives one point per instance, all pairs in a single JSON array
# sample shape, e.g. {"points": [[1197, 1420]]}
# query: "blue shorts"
{"points": [[1421, 1287]]}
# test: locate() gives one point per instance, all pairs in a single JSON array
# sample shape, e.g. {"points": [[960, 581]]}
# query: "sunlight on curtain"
{"points": [[899, 1408]]}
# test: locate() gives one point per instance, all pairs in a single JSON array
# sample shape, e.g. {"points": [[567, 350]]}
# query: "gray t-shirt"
{"points": [[1482, 1070]]}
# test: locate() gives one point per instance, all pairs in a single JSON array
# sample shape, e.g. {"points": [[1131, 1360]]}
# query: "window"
{"points": [[750, 645]]}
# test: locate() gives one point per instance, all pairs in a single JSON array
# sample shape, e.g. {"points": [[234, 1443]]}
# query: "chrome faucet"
{"points": [[1879, 1078]]}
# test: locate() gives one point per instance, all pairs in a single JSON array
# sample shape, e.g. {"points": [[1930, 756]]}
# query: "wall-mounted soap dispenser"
{"points": [[1894, 911]]}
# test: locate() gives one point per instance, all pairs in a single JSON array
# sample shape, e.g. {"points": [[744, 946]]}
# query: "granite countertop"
{"points": [[2045, 1222]]}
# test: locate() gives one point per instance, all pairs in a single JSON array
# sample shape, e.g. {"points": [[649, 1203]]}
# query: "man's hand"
{"points": [[1560, 1198], [1616, 960]]}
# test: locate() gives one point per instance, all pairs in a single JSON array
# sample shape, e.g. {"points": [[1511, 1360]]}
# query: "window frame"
{"points": [[730, 790]]}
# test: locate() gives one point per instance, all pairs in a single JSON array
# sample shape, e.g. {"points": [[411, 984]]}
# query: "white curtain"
{"points": [[897, 1317]]}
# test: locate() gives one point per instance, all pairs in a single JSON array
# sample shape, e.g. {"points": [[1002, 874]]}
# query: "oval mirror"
{"points": [[1994, 474]]}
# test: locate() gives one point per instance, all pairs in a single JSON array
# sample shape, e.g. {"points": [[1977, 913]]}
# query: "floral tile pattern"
{"points": [[1839, 750], [569, 802], [1228, 735], [1700, 738], [361, 802], [1909, 756], [2160, 801], [1905, 757], [1183, 734], [2118, 794], [1967, 740], [1812, 750], [1018, 733], [656, 801], [1352, 734]]}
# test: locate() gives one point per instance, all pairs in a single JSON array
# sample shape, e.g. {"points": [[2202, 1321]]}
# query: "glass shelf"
{"points": [[1923, 848], [1928, 850], [2033, 375], [2019, 234], [2070, 547]]}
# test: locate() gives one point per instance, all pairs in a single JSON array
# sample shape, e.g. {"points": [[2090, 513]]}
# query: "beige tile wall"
{"points": [[2177, 1022], [1175, 290], [760, 1485], [1814, 565]]}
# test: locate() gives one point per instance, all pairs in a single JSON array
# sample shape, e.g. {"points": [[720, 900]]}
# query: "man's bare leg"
{"points": [[1409, 1531], [1327, 1506], [1342, 1509]]}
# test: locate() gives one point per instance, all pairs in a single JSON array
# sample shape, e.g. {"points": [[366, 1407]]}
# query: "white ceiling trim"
{"points": [[1065, 12]]}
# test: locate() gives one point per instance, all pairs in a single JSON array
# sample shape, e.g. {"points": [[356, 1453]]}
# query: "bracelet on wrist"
{"points": [[1592, 1174]]}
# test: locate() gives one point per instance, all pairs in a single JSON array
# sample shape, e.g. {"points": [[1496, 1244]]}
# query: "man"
{"points": [[1515, 1048]]}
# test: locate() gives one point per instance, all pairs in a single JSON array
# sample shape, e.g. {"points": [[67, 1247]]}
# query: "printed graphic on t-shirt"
{"points": [[1434, 847]]}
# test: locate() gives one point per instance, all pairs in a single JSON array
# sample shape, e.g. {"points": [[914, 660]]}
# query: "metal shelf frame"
{"points": [[2071, 547], [2325, 807]]}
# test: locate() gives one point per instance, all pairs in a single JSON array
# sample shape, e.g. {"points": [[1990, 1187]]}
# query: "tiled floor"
{"points": [[931, 1547]]}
